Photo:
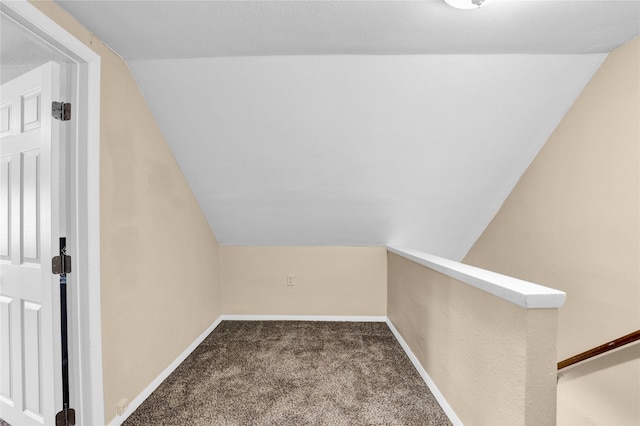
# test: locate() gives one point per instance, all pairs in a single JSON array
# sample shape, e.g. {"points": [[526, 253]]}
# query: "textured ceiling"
{"points": [[193, 29], [417, 151], [358, 123], [21, 51]]}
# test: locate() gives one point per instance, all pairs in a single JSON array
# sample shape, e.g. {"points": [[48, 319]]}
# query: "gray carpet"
{"points": [[293, 373]]}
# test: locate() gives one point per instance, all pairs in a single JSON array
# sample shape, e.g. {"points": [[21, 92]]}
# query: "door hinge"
{"points": [[61, 111], [61, 264], [66, 417]]}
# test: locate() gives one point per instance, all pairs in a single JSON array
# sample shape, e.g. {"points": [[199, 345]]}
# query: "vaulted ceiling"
{"points": [[358, 123]]}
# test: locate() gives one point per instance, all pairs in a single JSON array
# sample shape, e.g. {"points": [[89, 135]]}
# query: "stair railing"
{"points": [[609, 346]]}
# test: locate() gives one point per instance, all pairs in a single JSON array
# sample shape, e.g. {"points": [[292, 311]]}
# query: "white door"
{"points": [[30, 380]]}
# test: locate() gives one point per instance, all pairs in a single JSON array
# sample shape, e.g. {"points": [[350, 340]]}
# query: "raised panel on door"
{"points": [[31, 358], [31, 110], [30, 206], [5, 119], [5, 208], [6, 351]]}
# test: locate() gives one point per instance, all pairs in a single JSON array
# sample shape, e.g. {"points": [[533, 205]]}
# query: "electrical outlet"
{"points": [[290, 280], [122, 406]]}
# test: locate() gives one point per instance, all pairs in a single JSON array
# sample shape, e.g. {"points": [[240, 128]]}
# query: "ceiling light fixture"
{"points": [[467, 4]]}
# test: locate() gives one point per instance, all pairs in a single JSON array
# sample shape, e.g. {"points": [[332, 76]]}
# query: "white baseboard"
{"points": [[133, 405], [430, 384], [345, 318]]}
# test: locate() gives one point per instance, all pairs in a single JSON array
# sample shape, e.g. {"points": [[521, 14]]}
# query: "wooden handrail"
{"points": [[609, 346]]}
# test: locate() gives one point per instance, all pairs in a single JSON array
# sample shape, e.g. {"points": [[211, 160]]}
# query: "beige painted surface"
{"points": [[493, 361], [327, 280], [573, 223], [160, 261]]}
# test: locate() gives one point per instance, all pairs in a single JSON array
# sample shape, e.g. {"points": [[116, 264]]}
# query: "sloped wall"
{"points": [[572, 223], [160, 260]]}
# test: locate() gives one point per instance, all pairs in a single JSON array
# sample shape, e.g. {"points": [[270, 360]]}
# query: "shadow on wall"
{"points": [[612, 359]]}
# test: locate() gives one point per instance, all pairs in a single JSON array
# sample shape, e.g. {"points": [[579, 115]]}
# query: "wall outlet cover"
{"points": [[122, 406]]}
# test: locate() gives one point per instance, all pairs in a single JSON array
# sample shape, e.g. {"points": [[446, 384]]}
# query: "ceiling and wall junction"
{"points": [[357, 123]]}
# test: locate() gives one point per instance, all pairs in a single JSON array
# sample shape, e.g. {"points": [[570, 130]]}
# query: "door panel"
{"points": [[6, 394], [30, 208], [5, 208], [31, 111], [29, 315], [31, 358], [5, 119]]}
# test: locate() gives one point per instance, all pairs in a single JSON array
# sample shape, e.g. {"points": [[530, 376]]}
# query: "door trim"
{"points": [[83, 192]]}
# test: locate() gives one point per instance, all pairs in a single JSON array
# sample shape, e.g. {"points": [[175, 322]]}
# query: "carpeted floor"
{"points": [[293, 373]]}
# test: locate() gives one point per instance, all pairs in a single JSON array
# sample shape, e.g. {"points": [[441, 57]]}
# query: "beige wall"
{"points": [[572, 223], [327, 280], [493, 361], [160, 261]]}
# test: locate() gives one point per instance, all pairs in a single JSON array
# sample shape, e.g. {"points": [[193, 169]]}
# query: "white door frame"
{"points": [[83, 192]]}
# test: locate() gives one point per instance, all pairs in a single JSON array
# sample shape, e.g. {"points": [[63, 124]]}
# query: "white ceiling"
{"points": [[358, 123], [21, 51], [198, 29], [417, 151]]}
